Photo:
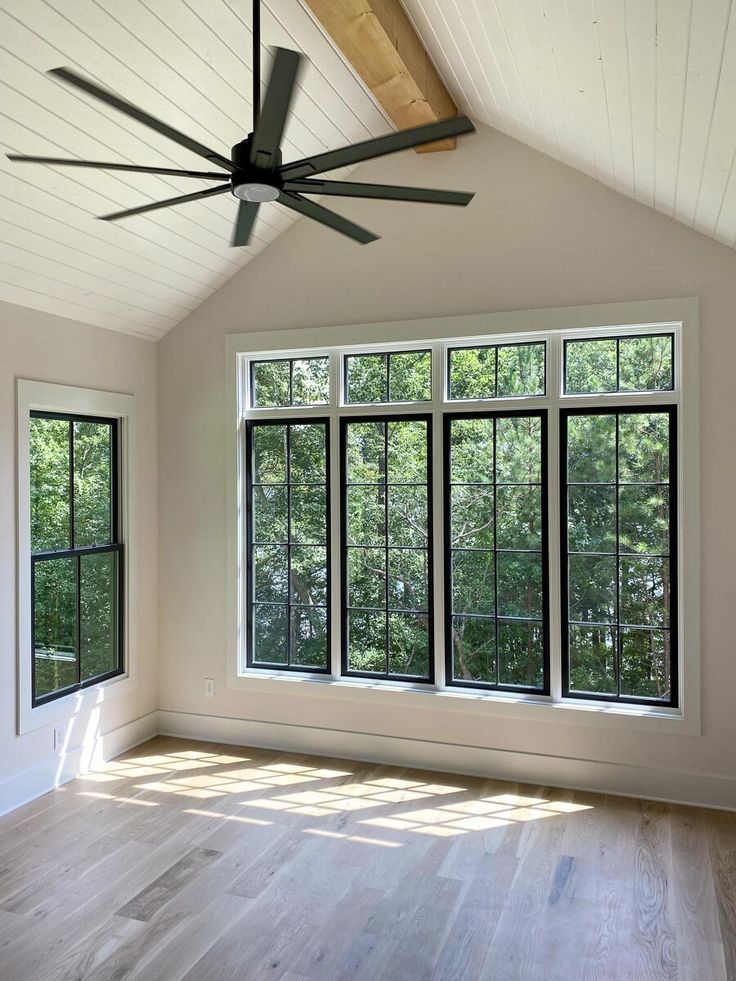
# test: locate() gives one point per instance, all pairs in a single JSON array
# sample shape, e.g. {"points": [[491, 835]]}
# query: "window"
{"points": [[496, 371], [496, 595], [619, 577], [643, 363], [501, 512], [405, 376], [387, 558], [292, 381], [288, 534], [76, 553]]}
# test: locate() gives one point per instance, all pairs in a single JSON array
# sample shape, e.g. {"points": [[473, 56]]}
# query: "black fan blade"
{"points": [[71, 78], [169, 171], [386, 192], [369, 149], [208, 192], [272, 119], [313, 210], [247, 213]]}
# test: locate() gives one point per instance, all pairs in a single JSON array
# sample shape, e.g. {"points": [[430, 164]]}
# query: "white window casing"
{"points": [[678, 316]]}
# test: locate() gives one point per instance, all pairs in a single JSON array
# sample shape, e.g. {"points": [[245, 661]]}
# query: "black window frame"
{"points": [[115, 546], [450, 680], [450, 398], [251, 424], [671, 410], [387, 355], [290, 404], [618, 391], [345, 671]]}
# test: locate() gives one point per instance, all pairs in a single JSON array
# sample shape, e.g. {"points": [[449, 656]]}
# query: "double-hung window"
{"points": [[494, 513], [76, 553]]}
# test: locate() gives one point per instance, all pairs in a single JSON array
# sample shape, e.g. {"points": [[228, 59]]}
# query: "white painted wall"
{"points": [[537, 235], [43, 347]]}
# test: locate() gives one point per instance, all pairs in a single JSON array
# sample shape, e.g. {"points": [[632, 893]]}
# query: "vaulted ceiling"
{"points": [[639, 94]]}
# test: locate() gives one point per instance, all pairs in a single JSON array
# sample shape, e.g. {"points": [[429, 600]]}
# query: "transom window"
{"points": [[495, 514], [76, 553]]}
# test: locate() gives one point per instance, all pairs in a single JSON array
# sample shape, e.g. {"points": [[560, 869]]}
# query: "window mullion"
{"points": [[437, 531], [335, 544], [555, 374]]}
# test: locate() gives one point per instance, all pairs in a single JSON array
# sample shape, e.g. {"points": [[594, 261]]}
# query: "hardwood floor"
{"points": [[185, 860]]}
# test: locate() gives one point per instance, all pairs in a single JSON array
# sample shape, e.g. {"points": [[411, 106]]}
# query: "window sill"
{"points": [[500, 705], [76, 702]]}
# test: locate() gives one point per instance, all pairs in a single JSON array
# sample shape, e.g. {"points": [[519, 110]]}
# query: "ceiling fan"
{"points": [[254, 172]]}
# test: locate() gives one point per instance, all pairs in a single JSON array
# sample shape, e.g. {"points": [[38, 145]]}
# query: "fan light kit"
{"points": [[254, 173]]}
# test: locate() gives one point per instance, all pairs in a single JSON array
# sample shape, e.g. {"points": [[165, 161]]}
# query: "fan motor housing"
{"points": [[251, 182]]}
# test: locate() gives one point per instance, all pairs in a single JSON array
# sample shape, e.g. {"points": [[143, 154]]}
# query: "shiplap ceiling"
{"points": [[186, 62], [639, 94]]}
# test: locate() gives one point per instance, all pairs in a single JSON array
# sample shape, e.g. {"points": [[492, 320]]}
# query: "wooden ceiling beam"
{"points": [[378, 40]]}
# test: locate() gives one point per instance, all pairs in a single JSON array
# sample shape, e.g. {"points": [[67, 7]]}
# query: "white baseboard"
{"points": [[664, 784], [62, 767]]}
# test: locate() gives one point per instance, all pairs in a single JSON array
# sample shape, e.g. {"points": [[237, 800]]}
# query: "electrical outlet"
{"points": [[209, 686], [58, 737]]}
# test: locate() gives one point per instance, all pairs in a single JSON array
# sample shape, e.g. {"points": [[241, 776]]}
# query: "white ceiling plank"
{"points": [[35, 299], [673, 43], [718, 167], [707, 43], [571, 82], [494, 62], [529, 36], [16, 257], [613, 48], [641, 32], [127, 250], [93, 274], [587, 67], [67, 293], [58, 243]]}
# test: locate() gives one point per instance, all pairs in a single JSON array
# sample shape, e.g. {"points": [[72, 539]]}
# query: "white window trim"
{"points": [[680, 315], [32, 395]]}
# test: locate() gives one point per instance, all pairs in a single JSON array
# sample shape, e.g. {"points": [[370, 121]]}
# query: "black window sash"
{"points": [[567, 692], [494, 347], [387, 356], [618, 338], [115, 545], [252, 424], [429, 678], [450, 680]]}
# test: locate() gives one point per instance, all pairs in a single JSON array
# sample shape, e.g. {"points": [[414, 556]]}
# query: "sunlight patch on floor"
{"points": [[280, 788]]}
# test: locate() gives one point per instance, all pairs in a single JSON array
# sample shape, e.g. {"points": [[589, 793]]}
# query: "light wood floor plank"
{"points": [[189, 861]]}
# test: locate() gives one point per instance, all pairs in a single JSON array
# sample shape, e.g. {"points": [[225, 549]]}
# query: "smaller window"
{"points": [[402, 376], [497, 371], [293, 381], [76, 553], [644, 363]]}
